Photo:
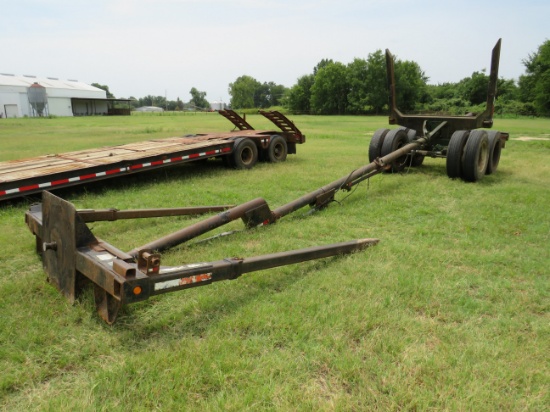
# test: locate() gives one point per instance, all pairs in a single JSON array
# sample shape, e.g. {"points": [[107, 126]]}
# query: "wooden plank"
{"points": [[35, 163], [74, 161], [43, 171], [90, 156]]}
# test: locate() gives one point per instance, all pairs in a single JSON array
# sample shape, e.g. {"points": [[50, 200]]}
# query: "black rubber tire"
{"points": [[476, 156], [394, 140], [417, 160], [411, 133], [245, 154], [495, 148], [376, 142], [228, 161], [455, 153], [277, 150]]}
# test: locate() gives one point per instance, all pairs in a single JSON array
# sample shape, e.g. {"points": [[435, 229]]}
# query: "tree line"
{"points": [[360, 87], [197, 102]]}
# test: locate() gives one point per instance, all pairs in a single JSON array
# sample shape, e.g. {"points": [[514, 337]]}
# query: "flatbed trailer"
{"points": [[241, 149]]}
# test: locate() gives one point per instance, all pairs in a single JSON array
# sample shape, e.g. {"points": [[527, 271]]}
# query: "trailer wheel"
{"points": [[277, 150], [245, 154], [476, 156], [375, 146], [495, 148], [411, 133], [228, 160], [394, 140], [455, 152], [416, 159]]}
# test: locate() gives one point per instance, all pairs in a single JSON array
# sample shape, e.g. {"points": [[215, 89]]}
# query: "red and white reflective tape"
{"points": [[189, 280], [111, 172]]}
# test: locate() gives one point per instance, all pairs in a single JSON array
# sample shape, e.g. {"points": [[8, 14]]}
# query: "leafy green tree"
{"points": [[134, 102], [158, 101], [268, 94], [375, 82], [276, 93], [329, 93], [106, 88], [357, 78], [534, 86], [474, 88], [321, 64], [299, 95], [247, 92], [198, 99], [442, 91], [507, 90], [410, 85], [243, 92]]}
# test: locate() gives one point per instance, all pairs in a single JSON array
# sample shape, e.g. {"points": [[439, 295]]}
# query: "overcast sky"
{"points": [[166, 47]]}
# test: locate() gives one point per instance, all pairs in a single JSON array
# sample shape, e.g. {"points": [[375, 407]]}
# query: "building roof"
{"points": [[27, 81], [149, 109]]}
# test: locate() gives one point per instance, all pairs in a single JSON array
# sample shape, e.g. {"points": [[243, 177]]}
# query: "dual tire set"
{"points": [[245, 153], [385, 141], [471, 154]]}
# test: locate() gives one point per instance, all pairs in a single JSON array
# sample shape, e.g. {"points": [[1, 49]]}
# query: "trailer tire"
{"points": [[245, 154], [476, 156], [228, 161], [375, 146], [455, 152], [411, 133], [394, 140], [495, 147], [413, 160], [277, 150]]}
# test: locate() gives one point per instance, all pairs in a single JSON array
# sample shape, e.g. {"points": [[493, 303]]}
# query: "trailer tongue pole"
{"points": [[346, 182]]}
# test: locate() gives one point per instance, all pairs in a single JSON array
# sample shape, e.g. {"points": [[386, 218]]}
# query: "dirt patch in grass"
{"points": [[529, 138]]}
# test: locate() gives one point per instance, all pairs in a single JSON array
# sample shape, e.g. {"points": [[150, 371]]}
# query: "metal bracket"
{"points": [[323, 200], [63, 233], [260, 215]]}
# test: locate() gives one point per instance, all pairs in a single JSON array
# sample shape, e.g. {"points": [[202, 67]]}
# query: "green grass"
{"points": [[448, 312]]}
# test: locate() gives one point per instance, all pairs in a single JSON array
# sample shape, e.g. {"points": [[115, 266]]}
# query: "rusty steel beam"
{"points": [[197, 229], [115, 287], [97, 215], [175, 278]]}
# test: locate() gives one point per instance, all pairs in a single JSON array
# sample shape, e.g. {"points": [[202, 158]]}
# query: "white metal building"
{"points": [[218, 105], [61, 97]]}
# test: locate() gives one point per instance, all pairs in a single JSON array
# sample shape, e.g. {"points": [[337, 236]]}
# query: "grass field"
{"points": [[449, 312]]}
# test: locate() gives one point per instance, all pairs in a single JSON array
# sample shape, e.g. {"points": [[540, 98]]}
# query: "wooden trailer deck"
{"points": [[32, 175]]}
